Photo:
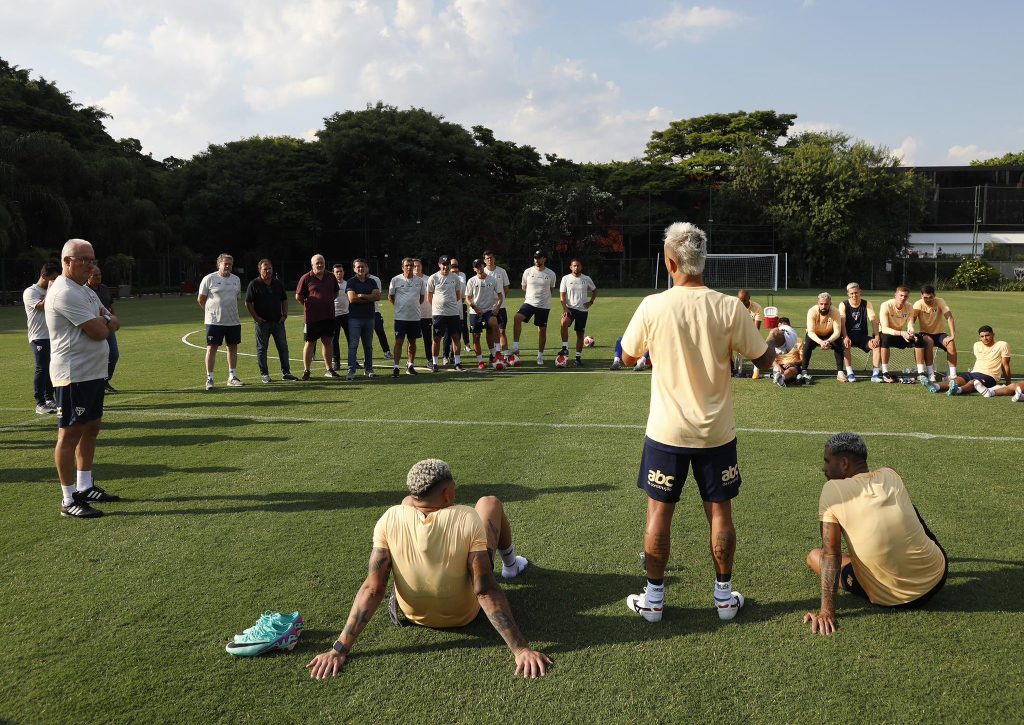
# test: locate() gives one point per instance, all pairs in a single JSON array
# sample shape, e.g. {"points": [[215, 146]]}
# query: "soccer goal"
{"points": [[735, 271]]}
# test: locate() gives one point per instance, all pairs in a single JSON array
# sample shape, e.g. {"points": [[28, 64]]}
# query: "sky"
{"points": [[587, 80]]}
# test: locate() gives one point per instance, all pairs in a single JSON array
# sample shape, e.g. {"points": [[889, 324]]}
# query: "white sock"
{"points": [[68, 492], [885, 367], [875, 371], [655, 592], [458, 360], [497, 348], [920, 368], [396, 365], [508, 556], [515, 347], [849, 369], [931, 369], [952, 371], [723, 591], [209, 376], [83, 480], [232, 372], [479, 358], [434, 358]]}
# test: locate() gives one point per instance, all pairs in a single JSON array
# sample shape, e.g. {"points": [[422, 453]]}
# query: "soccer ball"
{"points": [[588, 341], [499, 364], [561, 361], [513, 360], [790, 340]]}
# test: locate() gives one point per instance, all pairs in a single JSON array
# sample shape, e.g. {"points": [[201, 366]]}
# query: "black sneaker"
{"points": [[579, 362], [110, 389], [95, 494], [433, 367], [288, 376], [79, 509], [305, 375], [411, 370], [331, 373], [458, 368], [395, 372], [887, 378]]}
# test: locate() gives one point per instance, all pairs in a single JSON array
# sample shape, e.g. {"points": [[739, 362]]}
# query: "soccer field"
{"points": [[264, 497]]}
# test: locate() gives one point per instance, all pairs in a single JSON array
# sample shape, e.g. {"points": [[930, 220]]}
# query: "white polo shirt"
{"points": [[539, 283], [501, 277], [222, 295], [341, 301], [74, 356], [425, 309], [482, 292], [36, 318], [444, 288], [577, 290], [406, 292]]}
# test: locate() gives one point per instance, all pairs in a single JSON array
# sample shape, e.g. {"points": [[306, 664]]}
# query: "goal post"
{"points": [[734, 271]]}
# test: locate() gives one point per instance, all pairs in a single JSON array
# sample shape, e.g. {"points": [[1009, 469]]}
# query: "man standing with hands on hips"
{"points": [[691, 332]]}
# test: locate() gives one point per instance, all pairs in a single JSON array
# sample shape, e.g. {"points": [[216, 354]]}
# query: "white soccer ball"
{"points": [[589, 341], [561, 361], [513, 360], [499, 364], [789, 342]]}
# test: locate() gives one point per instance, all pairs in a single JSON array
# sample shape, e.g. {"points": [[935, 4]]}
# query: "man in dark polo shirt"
{"points": [[362, 293], [316, 292], [103, 292], [267, 303]]}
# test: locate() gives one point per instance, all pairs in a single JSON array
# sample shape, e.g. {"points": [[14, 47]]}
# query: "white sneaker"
{"points": [[540, 359], [209, 385], [932, 379], [876, 378], [779, 379], [1018, 397], [616, 364], [387, 356], [727, 609], [265, 378], [234, 382], [43, 410], [841, 376], [641, 364], [511, 572], [651, 611]]}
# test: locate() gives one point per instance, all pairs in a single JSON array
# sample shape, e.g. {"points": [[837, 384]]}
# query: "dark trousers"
{"points": [[264, 331], [378, 327], [114, 355], [447, 347], [810, 346], [340, 325], [427, 333], [41, 385]]}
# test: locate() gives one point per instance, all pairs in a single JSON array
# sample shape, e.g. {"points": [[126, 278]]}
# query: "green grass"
{"points": [[265, 497]]}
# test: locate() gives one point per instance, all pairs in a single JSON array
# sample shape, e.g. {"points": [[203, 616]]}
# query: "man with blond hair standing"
{"points": [[691, 332], [218, 296], [78, 325]]}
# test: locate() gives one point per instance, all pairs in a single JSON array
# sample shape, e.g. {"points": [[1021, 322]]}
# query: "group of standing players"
{"points": [[445, 308]]}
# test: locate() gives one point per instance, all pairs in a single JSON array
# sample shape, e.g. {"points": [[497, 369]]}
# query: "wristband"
{"points": [[339, 648]]}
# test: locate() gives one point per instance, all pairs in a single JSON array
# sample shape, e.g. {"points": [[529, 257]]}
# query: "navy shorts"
{"points": [[447, 326], [502, 318], [987, 380], [405, 328], [663, 471], [888, 341], [318, 330], [79, 402], [477, 323], [539, 315], [939, 338], [860, 342], [579, 317], [219, 334]]}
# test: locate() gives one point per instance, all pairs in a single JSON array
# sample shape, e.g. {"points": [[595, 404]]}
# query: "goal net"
{"points": [[733, 271]]}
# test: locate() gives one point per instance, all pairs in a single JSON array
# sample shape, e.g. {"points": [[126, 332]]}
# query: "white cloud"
{"points": [[907, 151], [682, 23], [966, 154]]}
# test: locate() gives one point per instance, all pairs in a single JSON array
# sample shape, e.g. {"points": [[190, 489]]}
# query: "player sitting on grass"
{"points": [[893, 560], [642, 364], [442, 557], [786, 368], [991, 362]]}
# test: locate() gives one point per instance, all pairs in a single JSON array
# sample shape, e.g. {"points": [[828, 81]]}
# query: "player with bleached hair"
{"points": [[442, 557], [691, 332], [893, 560], [787, 366]]}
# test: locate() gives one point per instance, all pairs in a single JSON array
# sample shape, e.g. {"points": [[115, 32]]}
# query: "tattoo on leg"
{"points": [[723, 548]]}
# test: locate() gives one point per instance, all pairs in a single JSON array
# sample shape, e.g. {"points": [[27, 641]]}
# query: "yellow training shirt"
{"points": [[429, 556], [827, 326], [893, 559], [756, 312], [931, 319], [989, 360], [691, 333], [893, 319]]}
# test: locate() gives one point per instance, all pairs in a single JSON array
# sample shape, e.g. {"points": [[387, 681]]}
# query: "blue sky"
{"points": [[936, 82]]}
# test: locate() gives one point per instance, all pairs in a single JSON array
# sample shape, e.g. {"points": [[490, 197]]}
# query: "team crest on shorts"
{"points": [[79, 411]]}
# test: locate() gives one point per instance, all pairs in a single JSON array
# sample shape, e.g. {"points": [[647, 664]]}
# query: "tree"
{"points": [[706, 145], [1007, 159], [837, 204]]}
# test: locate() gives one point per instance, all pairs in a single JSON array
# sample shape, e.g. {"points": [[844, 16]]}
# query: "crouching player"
{"points": [[442, 557], [894, 560], [991, 363], [786, 368], [643, 364]]}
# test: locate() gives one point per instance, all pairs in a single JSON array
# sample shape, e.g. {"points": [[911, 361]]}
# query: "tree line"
{"points": [[388, 181]]}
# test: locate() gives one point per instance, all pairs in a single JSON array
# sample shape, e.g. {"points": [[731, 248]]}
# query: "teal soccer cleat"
{"points": [[277, 620], [263, 637]]}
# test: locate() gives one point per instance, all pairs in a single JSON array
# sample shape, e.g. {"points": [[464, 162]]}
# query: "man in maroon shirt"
{"points": [[316, 293]]}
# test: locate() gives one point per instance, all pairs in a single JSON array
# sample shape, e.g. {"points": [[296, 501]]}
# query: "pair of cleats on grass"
{"points": [[652, 610], [272, 631]]}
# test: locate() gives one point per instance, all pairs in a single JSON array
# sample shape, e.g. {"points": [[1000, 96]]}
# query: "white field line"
{"points": [[184, 415]]}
